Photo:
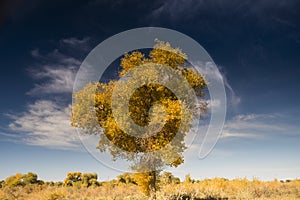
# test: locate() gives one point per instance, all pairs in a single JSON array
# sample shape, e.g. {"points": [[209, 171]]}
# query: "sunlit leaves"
{"points": [[132, 60], [164, 54], [151, 104], [21, 180], [79, 179]]}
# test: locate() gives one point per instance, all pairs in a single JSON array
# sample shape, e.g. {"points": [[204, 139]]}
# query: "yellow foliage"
{"points": [[150, 103], [216, 188], [129, 61], [164, 54], [146, 181]]}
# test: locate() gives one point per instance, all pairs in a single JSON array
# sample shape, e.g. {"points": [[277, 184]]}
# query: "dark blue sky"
{"points": [[256, 45]]}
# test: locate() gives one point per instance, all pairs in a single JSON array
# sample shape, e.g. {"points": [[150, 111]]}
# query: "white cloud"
{"points": [[213, 73], [234, 99], [9, 137], [254, 122], [252, 116], [79, 45], [176, 9], [243, 127], [54, 58], [55, 73], [255, 126], [213, 103], [75, 41], [45, 123], [55, 79], [228, 134]]}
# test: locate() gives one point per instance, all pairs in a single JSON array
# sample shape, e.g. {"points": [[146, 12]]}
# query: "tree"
{"points": [[73, 178], [30, 178], [1, 183], [167, 178], [89, 179], [79, 179], [15, 180], [162, 108], [147, 181], [127, 178], [22, 180]]}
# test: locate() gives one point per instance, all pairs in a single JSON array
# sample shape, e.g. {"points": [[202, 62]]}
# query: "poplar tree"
{"points": [[170, 117]]}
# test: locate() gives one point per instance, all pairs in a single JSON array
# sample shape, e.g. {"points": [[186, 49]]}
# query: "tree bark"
{"points": [[153, 186]]}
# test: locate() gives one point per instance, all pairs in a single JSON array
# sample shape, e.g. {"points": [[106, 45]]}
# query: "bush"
{"points": [[56, 196]]}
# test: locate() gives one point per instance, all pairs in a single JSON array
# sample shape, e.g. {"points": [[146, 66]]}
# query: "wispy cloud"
{"points": [[176, 9], [252, 121], [184, 9], [45, 123], [55, 73], [54, 80], [256, 126], [229, 134], [75, 41], [80, 45], [232, 98], [214, 73], [240, 127]]}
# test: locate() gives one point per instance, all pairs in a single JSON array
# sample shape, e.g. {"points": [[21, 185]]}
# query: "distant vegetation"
{"points": [[85, 186]]}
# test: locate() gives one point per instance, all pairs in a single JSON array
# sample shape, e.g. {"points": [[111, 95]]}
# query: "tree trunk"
{"points": [[153, 186]]}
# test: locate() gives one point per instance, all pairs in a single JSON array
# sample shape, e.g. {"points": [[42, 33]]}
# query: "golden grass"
{"points": [[217, 188]]}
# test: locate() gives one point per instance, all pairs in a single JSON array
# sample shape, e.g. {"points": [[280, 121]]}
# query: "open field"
{"points": [[210, 189]]}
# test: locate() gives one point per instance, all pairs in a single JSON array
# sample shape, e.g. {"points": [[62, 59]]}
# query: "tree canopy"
{"points": [[145, 115], [21, 180], [81, 179]]}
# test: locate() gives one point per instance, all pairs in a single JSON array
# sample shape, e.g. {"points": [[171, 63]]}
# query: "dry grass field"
{"points": [[209, 189]]}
